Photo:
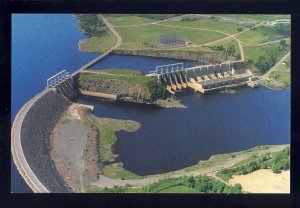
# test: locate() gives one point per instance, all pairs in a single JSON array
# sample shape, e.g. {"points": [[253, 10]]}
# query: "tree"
{"points": [[231, 49], [262, 64], [239, 29], [191, 182], [283, 42]]}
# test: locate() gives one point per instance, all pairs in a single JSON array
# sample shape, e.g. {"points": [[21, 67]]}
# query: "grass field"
{"points": [[226, 43], [127, 72], [128, 20], [282, 76], [258, 17], [206, 24], [131, 79], [134, 37], [108, 127], [256, 36], [286, 66], [98, 44], [253, 52], [108, 138], [118, 172]]}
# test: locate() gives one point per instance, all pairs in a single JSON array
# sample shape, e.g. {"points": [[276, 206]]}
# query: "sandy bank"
{"points": [[264, 181]]}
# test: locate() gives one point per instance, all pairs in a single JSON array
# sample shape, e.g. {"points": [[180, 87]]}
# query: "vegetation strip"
{"points": [[276, 162]]}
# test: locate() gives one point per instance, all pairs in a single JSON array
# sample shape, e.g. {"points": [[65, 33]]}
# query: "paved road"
{"points": [[17, 150]]}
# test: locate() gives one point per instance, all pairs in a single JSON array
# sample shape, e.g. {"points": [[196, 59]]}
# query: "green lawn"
{"points": [[98, 44], [179, 189], [108, 138], [128, 20], [118, 172], [253, 52], [133, 37], [286, 66], [282, 76], [128, 72], [131, 79], [256, 36], [206, 24], [257, 17], [226, 43]]}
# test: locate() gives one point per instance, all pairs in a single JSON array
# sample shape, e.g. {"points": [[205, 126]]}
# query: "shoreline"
{"points": [[213, 164], [163, 54], [274, 87]]}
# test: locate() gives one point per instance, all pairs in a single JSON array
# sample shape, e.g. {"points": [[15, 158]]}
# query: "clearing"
{"points": [[264, 181]]}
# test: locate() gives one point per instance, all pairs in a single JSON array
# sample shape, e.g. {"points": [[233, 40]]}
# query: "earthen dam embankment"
{"points": [[35, 133]]}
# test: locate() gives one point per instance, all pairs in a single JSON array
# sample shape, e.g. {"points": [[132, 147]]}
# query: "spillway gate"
{"points": [[62, 83]]}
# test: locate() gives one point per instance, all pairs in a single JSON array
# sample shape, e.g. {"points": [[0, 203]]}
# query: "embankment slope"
{"points": [[35, 133]]}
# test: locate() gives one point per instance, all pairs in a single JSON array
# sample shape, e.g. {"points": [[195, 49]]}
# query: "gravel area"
{"points": [[74, 147]]}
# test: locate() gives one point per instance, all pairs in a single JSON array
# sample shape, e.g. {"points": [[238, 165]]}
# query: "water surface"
{"points": [[172, 139], [43, 45]]}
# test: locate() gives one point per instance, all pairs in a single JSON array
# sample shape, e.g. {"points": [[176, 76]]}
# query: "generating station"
{"points": [[204, 78]]}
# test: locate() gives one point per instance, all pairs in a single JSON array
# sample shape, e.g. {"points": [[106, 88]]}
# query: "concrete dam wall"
{"points": [[35, 133]]}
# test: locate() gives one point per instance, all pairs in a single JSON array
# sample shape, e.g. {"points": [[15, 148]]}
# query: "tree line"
{"points": [[276, 162], [92, 25], [203, 184]]}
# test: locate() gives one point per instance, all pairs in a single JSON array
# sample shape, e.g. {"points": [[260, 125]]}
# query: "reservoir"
{"points": [[169, 139]]}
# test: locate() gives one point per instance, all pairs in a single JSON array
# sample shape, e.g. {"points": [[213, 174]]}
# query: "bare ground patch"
{"points": [[74, 148], [264, 181]]}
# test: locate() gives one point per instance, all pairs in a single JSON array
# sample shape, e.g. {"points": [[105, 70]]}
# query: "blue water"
{"points": [[43, 45], [172, 139], [144, 64]]}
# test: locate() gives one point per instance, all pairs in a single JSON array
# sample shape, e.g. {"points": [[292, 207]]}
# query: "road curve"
{"points": [[17, 150]]}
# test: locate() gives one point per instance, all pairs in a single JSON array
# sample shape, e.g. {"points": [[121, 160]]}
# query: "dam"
{"points": [[205, 78], [61, 88]]}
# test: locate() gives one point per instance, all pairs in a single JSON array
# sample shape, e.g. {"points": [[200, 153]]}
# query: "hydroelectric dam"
{"points": [[204, 78], [35, 121]]}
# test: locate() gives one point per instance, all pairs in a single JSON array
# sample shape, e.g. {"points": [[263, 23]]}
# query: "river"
{"points": [[169, 139]]}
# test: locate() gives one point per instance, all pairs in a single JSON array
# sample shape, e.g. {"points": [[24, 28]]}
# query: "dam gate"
{"points": [[62, 83]]}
